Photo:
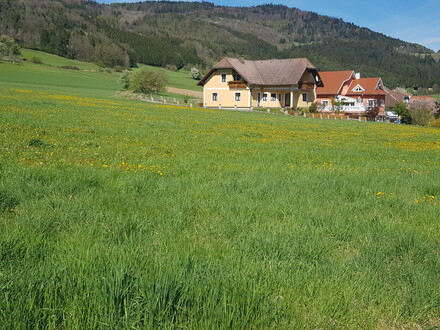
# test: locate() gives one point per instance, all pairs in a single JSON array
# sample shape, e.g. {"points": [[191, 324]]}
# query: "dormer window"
{"points": [[358, 88], [238, 77]]}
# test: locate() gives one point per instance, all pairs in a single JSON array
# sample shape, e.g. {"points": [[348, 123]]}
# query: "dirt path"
{"points": [[185, 92]]}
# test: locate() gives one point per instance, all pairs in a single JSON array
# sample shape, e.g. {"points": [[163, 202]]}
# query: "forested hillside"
{"points": [[176, 34]]}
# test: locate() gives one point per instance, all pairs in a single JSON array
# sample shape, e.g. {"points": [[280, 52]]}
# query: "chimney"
{"points": [[357, 75], [241, 59]]}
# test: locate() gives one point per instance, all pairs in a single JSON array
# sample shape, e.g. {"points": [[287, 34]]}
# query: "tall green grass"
{"points": [[119, 214]]}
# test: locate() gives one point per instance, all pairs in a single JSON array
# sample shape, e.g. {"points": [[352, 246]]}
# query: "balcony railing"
{"points": [[344, 108], [237, 84]]}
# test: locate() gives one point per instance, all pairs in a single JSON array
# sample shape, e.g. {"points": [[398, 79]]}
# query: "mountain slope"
{"points": [[198, 34]]}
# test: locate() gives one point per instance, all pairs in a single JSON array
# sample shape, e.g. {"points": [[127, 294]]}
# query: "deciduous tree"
{"points": [[148, 81], [9, 50]]}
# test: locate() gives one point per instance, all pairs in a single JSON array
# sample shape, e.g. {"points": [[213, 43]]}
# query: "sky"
{"points": [[413, 21]]}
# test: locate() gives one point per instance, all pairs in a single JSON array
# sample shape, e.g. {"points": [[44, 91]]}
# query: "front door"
{"points": [[287, 99], [259, 99]]}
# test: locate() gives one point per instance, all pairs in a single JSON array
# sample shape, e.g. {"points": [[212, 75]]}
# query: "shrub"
{"points": [[186, 98], [101, 64], [171, 67], [302, 110], [422, 111], [118, 68], [402, 110], [195, 74], [124, 79], [69, 67], [36, 60], [9, 50], [148, 81], [435, 123], [372, 113], [314, 107]]}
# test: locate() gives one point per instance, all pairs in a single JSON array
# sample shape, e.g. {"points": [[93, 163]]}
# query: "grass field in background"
{"points": [[54, 60], [178, 79], [86, 81], [118, 214]]}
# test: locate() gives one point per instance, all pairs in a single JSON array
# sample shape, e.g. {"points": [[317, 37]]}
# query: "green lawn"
{"points": [[178, 79], [87, 81], [437, 96], [115, 213]]}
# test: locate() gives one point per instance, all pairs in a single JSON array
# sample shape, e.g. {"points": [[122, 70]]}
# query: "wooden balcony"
{"points": [[306, 85], [237, 84]]}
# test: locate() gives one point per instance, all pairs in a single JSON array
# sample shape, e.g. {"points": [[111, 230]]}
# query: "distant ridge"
{"points": [[175, 34]]}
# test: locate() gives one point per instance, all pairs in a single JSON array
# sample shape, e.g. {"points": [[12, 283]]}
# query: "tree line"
{"points": [[179, 34]]}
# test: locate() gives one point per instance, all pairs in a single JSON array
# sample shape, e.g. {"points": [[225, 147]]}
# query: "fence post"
{"points": [[313, 115], [320, 116], [328, 116], [252, 109], [164, 101], [190, 105], [304, 115], [235, 107], [175, 100]]}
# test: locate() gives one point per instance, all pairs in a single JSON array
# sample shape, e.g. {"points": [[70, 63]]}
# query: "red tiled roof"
{"points": [[370, 86], [333, 81], [423, 97]]}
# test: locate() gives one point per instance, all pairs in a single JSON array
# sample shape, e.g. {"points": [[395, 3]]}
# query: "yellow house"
{"points": [[238, 83]]}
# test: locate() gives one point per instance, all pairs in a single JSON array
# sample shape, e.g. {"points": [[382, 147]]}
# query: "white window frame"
{"points": [[273, 97], [324, 103], [237, 96], [358, 88], [223, 77], [264, 97], [214, 97], [372, 103]]}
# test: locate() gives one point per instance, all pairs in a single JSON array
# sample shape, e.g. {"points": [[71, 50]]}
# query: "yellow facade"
{"points": [[219, 94]]}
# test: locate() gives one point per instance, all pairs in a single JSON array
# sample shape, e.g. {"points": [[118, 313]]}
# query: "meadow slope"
{"points": [[119, 214]]}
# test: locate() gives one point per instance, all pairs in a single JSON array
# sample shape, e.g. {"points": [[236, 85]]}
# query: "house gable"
{"points": [[335, 82], [367, 86], [358, 88]]}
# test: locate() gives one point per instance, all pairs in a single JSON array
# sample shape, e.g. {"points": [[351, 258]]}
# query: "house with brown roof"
{"points": [[393, 97], [355, 95], [239, 83]]}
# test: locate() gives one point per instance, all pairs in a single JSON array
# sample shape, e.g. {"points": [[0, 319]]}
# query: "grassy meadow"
{"points": [[116, 213], [87, 81]]}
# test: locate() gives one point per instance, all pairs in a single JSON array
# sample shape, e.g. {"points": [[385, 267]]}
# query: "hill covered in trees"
{"points": [[176, 34]]}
